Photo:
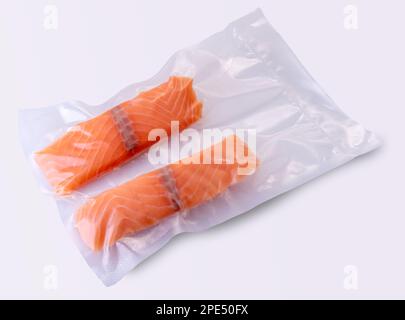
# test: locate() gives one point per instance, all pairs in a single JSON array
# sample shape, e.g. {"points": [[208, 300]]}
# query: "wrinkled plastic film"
{"points": [[246, 77]]}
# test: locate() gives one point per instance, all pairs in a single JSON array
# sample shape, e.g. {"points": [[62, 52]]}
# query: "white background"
{"points": [[295, 246]]}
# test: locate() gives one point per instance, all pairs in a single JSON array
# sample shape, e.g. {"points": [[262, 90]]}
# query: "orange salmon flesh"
{"points": [[96, 146], [146, 200]]}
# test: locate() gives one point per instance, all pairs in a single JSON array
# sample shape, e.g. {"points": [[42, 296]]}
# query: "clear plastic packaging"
{"points": [[247, 79]]}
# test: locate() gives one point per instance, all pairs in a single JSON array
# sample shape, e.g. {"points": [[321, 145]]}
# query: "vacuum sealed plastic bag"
{"points": [[226, 124]]}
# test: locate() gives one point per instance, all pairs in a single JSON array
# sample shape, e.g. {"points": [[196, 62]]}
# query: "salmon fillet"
{"points": [[100, 144], [149, 198]]}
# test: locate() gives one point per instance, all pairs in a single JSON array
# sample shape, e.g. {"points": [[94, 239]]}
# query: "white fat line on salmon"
{"points": [[124, 127], [191, 141], [170, 185], [169, 310]]}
